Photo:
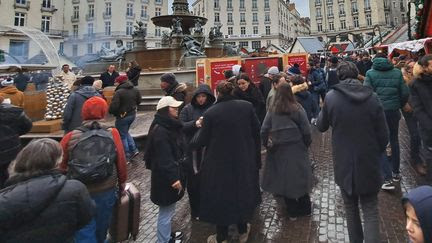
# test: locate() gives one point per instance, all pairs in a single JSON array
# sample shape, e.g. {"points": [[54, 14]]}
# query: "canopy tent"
{"points": [[411, 46]]}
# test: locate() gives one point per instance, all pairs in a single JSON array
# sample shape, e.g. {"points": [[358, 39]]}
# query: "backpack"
{"points": [[92, 158]]}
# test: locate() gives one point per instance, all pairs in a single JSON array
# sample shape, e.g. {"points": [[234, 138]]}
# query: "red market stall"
{"points": [[407, 48]]}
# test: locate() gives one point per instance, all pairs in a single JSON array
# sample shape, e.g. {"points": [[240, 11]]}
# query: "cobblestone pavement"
{"points": [[270, 223]]}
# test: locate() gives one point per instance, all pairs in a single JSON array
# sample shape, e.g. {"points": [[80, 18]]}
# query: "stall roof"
{"points": [[309, 44], [12, 68], [412, 46]]}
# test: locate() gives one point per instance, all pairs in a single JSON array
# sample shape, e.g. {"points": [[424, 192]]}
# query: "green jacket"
{"points": [[387, 82]]}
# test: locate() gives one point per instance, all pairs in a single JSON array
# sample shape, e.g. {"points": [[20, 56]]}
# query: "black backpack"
{"points": [[92, 158]]}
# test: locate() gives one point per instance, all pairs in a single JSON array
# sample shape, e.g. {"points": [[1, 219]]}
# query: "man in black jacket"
{"points": [[172, 87], [109, 76], [13, 123]]}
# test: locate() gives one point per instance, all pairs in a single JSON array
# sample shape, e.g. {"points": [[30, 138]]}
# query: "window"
{"points": [[268, 42], [90, 29], [91, 10], [230, 30], [341, 9], [320, 27], [369, 19], [46, 4], [394, 4], [143, 11], [256, 45], [21, 1], [90, 48], [158, 11], [329, 11], [367, 4], [75, 50], [230, 17], [216, 4], [108, 9], [266, 4], [255, 30], [229, 3], [254, 17], [107, 28], [75, 31], [354, 7], [61, 48], [242, 4], [19, 49], [267, 30], [387, 18], [157, 31], [129, 9], [403, 19], [19, 19], [76, 12], [331, 26], [45, 26], [158, 1], [129, 28], [343, 24], [356, 22], [242, 18], [243, 30], [243, 44], [396, 21], [216, 18], [318, 13], [254, 4], [267, 16]]}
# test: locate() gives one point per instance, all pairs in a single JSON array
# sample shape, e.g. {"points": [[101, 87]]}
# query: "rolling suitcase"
{"points": [[126, 216]]}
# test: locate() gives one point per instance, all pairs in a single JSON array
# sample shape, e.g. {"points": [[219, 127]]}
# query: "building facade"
{"points": [[44, 15], [333, 19], [253, 23]]}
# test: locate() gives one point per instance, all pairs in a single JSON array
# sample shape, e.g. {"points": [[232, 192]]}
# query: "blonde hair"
{"points": [[97, 84]]}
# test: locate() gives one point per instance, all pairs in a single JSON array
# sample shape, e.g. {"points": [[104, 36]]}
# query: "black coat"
{"points": [[359, 136], [165, 154], [254, 96], [421, 101], [364, 66], [125, 101], [133, 75], [21, 80], [265, 87], [44, 208], [229, 175], [306, 101], [13, 123], [108, 79]]}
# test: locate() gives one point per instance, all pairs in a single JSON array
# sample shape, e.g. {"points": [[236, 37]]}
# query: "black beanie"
{"points": [[168, 78], [87, 80]]}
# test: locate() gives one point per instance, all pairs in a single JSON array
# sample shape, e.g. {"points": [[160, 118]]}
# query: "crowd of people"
{"points": [[210, 144]]}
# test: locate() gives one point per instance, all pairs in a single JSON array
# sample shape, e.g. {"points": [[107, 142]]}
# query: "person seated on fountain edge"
{"points": [[172, 87]]}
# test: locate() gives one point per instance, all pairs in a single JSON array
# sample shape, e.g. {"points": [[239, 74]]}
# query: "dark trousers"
{"points": [[4, 174], [222, 231], [426, 150], [393, 117], [414, 134], [369, 205], [193, 189], [386, 167], [298, 207]]}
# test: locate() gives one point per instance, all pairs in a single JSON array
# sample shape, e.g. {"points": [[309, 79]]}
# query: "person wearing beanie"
{"points": [[164, 156], [417, 205], [266, 81], [9, 91], [229, 76], [72, 113], [124, 106], [357, 152], [104, 193], [172, 87]]}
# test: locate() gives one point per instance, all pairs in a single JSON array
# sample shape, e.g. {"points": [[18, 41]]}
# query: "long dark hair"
{"points": [[284, 102]]}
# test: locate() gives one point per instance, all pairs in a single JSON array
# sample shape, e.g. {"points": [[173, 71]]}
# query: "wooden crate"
{"points": [[35, 104], [47, 126]]}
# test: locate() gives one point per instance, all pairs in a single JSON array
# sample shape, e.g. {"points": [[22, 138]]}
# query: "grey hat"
{"points": [[347, 70], [168, 78], [273, 70]]}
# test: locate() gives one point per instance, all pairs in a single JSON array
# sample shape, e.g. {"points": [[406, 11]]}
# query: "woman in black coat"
{"points": [[40, 204], [246, 90], [191, 116], [133, 72], [229, 174], [304, 97], [164, 155]]}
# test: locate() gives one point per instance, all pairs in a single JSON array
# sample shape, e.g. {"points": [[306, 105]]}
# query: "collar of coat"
{"points": [[225, 98], [299, 88]]}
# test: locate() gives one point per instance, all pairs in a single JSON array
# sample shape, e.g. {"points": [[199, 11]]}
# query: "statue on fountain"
{"points": [[231, 50], [198, 30], [177, 26], [140, 31], [115, 54], [217, 32], [192, 47], [216, 36]]}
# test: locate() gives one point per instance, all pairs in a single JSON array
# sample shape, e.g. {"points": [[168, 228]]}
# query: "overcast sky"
{"points": [[302, 6]]}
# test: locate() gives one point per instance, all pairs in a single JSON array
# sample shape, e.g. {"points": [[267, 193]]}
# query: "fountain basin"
{"points": [[188, 21]]}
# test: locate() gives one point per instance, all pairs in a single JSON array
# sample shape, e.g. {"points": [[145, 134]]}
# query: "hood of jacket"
{"points": [[25, 198], [203, 89], [382, 64], [87, 91], [299, 88], [353, 90], [176, 88], [125, 85], [9, 90], [421, 200]]}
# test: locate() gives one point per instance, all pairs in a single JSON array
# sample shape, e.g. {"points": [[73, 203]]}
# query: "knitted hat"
{"points": [[168, 78], [87, 80], [94, 108], [121, 79], [7, 82], [294, 70], [273, 70]]}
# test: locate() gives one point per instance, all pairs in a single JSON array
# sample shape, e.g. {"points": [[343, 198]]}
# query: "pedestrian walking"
{"points": [[421, 102], [387, 82], [286, 134], [417, 204], [124, 107], [318, 84], [266, 81], [304, 97], [94, 155], [13, 123], [40, 204], [172, 87], [356, 152], [164, 156], [108, 78], [67, 76], [134, 72], [9, 91], [230, 189], [246, 90], [277, 80], [365, 64], [72, 112]]}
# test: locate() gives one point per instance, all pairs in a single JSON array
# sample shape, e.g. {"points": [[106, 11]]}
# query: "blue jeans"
{"points": [[393, 117], [123, 125], [386, 167], [166, 213], [96, 230]]}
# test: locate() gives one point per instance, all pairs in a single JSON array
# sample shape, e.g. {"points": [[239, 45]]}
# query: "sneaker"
{"points": [[244, 237], [292, 218], [175, 241], [135, 154], [396, 177], [177, 235], [212, 239], [388, 185]]}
